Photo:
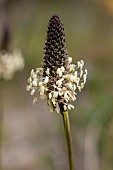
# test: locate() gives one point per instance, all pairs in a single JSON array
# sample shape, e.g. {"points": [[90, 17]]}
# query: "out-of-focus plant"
{"points": [[11, 59], [58, 80]]}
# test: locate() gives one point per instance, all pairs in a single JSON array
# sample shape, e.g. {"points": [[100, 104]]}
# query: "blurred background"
{"points": [[31, 137]]}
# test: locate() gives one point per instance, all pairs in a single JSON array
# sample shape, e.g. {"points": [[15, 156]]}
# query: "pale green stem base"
{"points": [[68, 139]]}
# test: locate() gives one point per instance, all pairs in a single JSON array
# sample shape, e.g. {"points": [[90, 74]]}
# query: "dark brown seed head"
{"points": [[55, 51], [5, 42]]}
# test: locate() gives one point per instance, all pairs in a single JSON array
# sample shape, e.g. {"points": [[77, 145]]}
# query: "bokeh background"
{"points": [[32, 137]]}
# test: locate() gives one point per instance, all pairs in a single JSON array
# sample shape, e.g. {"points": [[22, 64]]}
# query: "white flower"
{"points": [[62, 69], [59, 82], [75, 78], [40, 83], [28, 87], [70, 60], [72, 96], [86, 71], [79, 88], [47, 71], [78, 63], [41, 90], [57, 108], [55, 94], [70, 106], [10, 63], [82, 85], [34, 83], [85, 76], [71, 77], [59, 89], [70, 86], [81, 73], [65, 107], [32, 72], [66, 97], [74, 87], [33, 91], [37, 71], [34, 100], [34, 76], [46, 80], [50, 95], [30, 80], [59, 72], [72, 67], [61, 93], [53, 100], [77, 81], [81, 64]]}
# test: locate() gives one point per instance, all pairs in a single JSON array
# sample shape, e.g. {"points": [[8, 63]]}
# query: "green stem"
{"points": [[1, 125], [68, 139]]}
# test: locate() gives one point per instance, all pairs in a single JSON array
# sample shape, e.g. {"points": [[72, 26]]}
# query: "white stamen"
{"points": [[59, 82], [53, 100], [50, 95], [70, 106], [29, 80], [84, 78], [59, 72], [57, 108], [40, 83], [82, 62], [55, 94], [61, 93], [34, 76], [47, 71], [34, 100], [70, 86], [75, 73], [34, 83], [46, 80], [28, 87], [82, 85], [75, 78], [62, 69], [41, 90], [65, 107], [32, 91], [51, 109], [32, 72], [71, 77], [86, 71], [72, 67], [66, 97], [81, 73], [74, 87], [78, 62], [70, 60]]}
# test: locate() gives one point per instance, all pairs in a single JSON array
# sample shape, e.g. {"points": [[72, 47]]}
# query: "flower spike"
{"points": [[58, 79], [55, 51]]}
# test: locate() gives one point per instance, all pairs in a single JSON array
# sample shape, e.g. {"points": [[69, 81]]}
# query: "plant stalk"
{"points": [[1, 125], [68, 139]]}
